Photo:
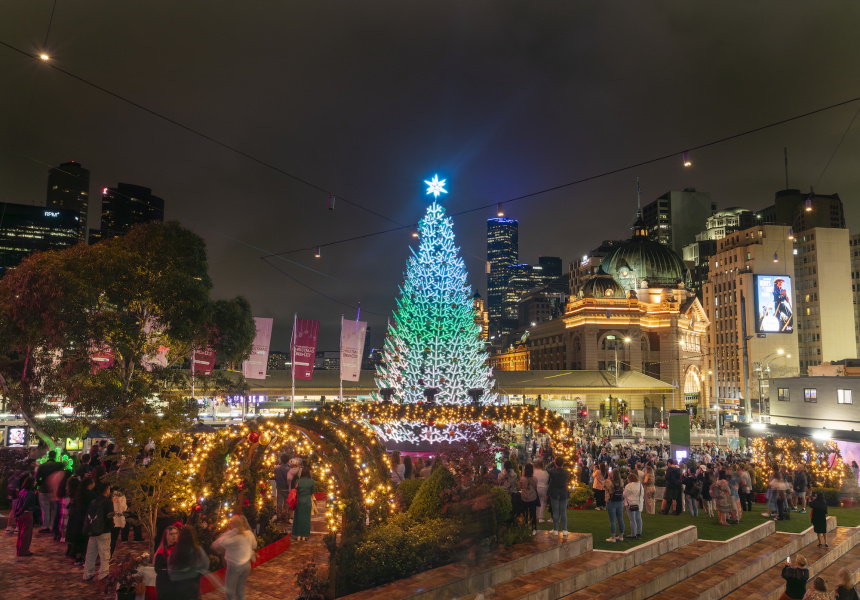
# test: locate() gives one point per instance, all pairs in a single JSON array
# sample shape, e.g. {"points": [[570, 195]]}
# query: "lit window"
{"points": [[844, 397], [810, 395], [783, 395]]}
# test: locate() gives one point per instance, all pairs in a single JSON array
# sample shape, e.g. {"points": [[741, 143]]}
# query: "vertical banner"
{"points": [[255, 366], [203, 361], [351, 346], [304, 350], [101, 357], [159, 359]]}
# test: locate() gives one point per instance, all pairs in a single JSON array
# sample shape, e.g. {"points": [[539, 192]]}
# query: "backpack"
{"points": [[293, 499], [94, 522], [697, 490]]}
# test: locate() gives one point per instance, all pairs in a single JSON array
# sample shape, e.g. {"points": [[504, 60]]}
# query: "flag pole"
{"points": [[340, 398], [293, 365]]}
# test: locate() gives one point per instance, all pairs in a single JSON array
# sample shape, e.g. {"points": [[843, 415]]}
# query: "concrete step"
{"points": [[465, 578], [590, 568], [740, 567], [770, 584]]}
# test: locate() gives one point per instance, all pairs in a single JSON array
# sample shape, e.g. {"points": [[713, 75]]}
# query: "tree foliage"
{"points": [[144, 296]]}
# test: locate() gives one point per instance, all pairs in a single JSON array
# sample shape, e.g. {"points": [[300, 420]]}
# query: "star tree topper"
{"points": [[436, 187]]}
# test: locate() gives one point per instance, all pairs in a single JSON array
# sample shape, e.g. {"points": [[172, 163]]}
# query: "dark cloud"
{"points": [[367, 99]]}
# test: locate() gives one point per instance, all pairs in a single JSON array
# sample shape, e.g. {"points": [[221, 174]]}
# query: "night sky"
{"points": [[367, 99]]}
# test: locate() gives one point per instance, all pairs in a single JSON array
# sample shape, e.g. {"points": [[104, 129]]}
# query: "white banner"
{"points": [[351, 348], [255, 366]]}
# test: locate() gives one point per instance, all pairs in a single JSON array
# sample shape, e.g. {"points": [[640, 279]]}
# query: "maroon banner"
{"points": [[203, 361], [305, 334], [101, 357]]}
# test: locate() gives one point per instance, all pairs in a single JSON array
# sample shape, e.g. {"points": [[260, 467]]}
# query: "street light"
{"points": [[764, 367]]}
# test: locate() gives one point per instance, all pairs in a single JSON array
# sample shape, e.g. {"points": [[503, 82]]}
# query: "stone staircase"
{"points": [[677, 566]]}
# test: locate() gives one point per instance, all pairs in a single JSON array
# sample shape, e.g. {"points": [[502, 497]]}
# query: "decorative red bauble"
{"points": [[451, 433], [486, 423], [374, 422], [197, 508], [542, 430], [254, 437], [246, 502], [387, 431], [420, 401], [420, 382], [566, 445], [431, 423]]}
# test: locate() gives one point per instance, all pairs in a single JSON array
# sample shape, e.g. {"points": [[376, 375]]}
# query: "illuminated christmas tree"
{"points": [[434, 341]]}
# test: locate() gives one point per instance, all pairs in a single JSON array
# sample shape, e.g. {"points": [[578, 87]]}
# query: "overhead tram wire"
{"points": [[596, 176], [835, 150], [202, 135], [400, 227]]}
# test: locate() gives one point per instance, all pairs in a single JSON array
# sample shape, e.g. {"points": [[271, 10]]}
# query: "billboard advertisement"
{"points": [[774, 301]]}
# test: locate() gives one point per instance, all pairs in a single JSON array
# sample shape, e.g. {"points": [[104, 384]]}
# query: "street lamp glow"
{"points": [[45, 56], [780, 351], [759, 426], [821, 435], [627, 340]]}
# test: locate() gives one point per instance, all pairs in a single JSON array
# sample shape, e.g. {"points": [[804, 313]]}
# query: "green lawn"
{"points": [[653, 526]]}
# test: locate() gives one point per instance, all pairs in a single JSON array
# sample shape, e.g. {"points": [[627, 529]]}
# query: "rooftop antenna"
{"points": [[785, 152], [638, 199]]}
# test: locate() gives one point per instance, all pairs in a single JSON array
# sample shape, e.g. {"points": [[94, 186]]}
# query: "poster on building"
{"points": [[203, 361], [255, 366], [304, 347], [352, 335], [774, 312]]}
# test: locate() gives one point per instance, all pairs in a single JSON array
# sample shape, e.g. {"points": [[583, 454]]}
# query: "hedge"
{"points": [[427, 503], [406, 492]]}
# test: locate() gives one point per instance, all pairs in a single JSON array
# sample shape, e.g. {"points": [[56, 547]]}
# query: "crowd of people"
{"points": [[79, 508], [796, 575]]}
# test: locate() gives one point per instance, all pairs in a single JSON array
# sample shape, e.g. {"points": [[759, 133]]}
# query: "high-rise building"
{"points": [[125, 206], [588, 264], [550, 267], [750, 268], [825, 305], [855, 286], [502, 251], [676, 217], [25, 229], [69, 189], [804, 211], [482, 317], [717, 226]]}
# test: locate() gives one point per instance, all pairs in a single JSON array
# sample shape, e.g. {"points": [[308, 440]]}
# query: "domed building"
{"points": [[636, 312]]}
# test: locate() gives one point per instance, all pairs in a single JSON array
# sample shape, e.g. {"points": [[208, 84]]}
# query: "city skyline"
{"points": [[372, 125]]}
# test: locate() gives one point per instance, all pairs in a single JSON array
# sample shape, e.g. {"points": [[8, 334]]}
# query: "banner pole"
{"points": [[340, 397], [293, 365]]}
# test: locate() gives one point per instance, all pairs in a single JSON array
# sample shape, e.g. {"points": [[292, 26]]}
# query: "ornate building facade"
{"points": [[635, 313]]}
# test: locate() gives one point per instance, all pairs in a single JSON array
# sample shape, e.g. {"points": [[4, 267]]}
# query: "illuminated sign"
{"points": [[49, 213], [16, 437], [773, 304]]}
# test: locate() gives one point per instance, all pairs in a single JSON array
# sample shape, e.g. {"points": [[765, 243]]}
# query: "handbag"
{"points": [[293, 499]]}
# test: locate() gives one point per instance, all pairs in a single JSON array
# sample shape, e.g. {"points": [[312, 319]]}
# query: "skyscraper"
{"points": [[676, 217], [25, 229], [502, 251], [69, 189], [125, 206]]}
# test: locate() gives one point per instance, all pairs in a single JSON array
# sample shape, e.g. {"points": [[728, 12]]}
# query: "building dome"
{"points": [[600, 285], [640, 259]]}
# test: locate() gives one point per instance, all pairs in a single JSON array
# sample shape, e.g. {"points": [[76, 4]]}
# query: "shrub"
{"points": [[623, 472], [660, 464], [407, 491], [691, 464], [503, 505], [659, 481], [621, 462], [400, 547], [579, 496], [659, 472], [516, 532], [428, 501], [831, 495]]}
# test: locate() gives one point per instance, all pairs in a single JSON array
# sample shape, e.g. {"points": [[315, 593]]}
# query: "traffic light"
{"points": [[625, 418], [662, 425]]}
